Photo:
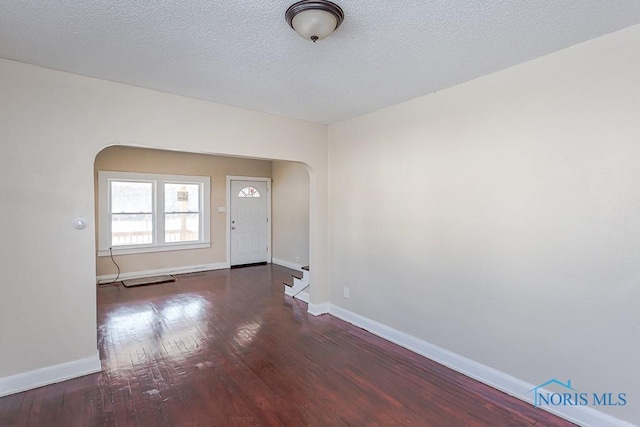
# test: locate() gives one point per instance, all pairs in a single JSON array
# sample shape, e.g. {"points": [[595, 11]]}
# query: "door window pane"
{"points": [[249, 192]]}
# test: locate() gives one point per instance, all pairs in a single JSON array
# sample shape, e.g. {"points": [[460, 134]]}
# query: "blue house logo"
{"points": [[569, 396], [540, 396]]}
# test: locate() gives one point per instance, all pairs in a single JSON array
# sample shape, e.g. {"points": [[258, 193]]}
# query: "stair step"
{"points": [[288, 284], [306, 267], [297, 276]]}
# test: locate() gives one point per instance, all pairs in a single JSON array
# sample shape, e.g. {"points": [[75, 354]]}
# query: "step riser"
{"points": [[297, 281]]}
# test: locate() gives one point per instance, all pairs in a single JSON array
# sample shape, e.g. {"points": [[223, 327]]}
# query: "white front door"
{"points": [[248, 220]]}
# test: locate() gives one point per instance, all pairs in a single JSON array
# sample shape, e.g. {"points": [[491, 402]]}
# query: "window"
{"points": [[131, 212], [181, 212], [249, 192], [150, 212]]}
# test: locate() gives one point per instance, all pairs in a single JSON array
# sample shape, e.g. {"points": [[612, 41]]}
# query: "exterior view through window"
{"points": [[151, 212]]}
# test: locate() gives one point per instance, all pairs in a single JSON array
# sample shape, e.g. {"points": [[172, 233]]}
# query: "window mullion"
{"points": [[200, 213], [109, 223], [159, 212]]}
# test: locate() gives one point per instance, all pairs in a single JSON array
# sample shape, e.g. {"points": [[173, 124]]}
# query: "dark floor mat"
{"points": [[129, 283]]}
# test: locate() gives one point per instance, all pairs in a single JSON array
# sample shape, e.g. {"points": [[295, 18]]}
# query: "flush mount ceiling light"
{"points": [[314, 20]]}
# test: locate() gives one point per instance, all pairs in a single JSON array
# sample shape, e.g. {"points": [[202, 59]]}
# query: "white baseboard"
{"points": [[581, 415], [303, 296], [288, 264], [160, 271], [49, 375], [318, 309]]}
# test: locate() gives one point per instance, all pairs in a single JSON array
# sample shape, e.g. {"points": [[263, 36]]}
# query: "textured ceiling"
{"points": [[243, 53]]}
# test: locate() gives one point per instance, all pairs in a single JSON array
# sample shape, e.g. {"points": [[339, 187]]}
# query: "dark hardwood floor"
{"points": [[227, 348]]}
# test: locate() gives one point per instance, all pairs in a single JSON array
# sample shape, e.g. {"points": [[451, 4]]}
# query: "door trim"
{"points": [[228, 211]]}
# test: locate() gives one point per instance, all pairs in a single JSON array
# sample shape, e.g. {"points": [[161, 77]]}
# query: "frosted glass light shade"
{"points": [[314, 24], [314, 20]]}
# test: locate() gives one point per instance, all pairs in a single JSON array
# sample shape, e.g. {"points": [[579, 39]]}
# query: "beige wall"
{"points": [[500, 219], [290, 201], [129, 159], [52, 126]]}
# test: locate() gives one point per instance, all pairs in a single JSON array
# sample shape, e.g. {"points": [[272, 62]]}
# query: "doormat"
{"points": [[253, 264], [153, 280]]}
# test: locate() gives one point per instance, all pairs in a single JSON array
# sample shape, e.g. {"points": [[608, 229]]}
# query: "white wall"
{"points": [[290, 204], [500, 219], [52, 125]]}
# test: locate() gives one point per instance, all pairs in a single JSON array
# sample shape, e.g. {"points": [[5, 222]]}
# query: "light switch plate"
{"points": [[222, 209]]}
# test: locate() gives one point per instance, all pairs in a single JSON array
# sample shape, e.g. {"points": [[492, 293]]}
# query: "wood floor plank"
{"points": [[228, 348]]}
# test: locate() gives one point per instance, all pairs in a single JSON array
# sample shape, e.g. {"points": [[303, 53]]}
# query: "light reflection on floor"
{"points": [[169, 331], [246, 332]]}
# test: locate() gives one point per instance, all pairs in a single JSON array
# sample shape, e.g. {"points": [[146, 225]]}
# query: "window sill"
{"points": [[129, 250]]}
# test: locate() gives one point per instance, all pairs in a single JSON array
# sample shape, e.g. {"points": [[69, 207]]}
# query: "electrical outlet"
{"points": [[297, 259], [346, 292]]}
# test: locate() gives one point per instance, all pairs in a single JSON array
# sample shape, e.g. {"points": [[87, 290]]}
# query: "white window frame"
{"points": [[158, 180]]}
